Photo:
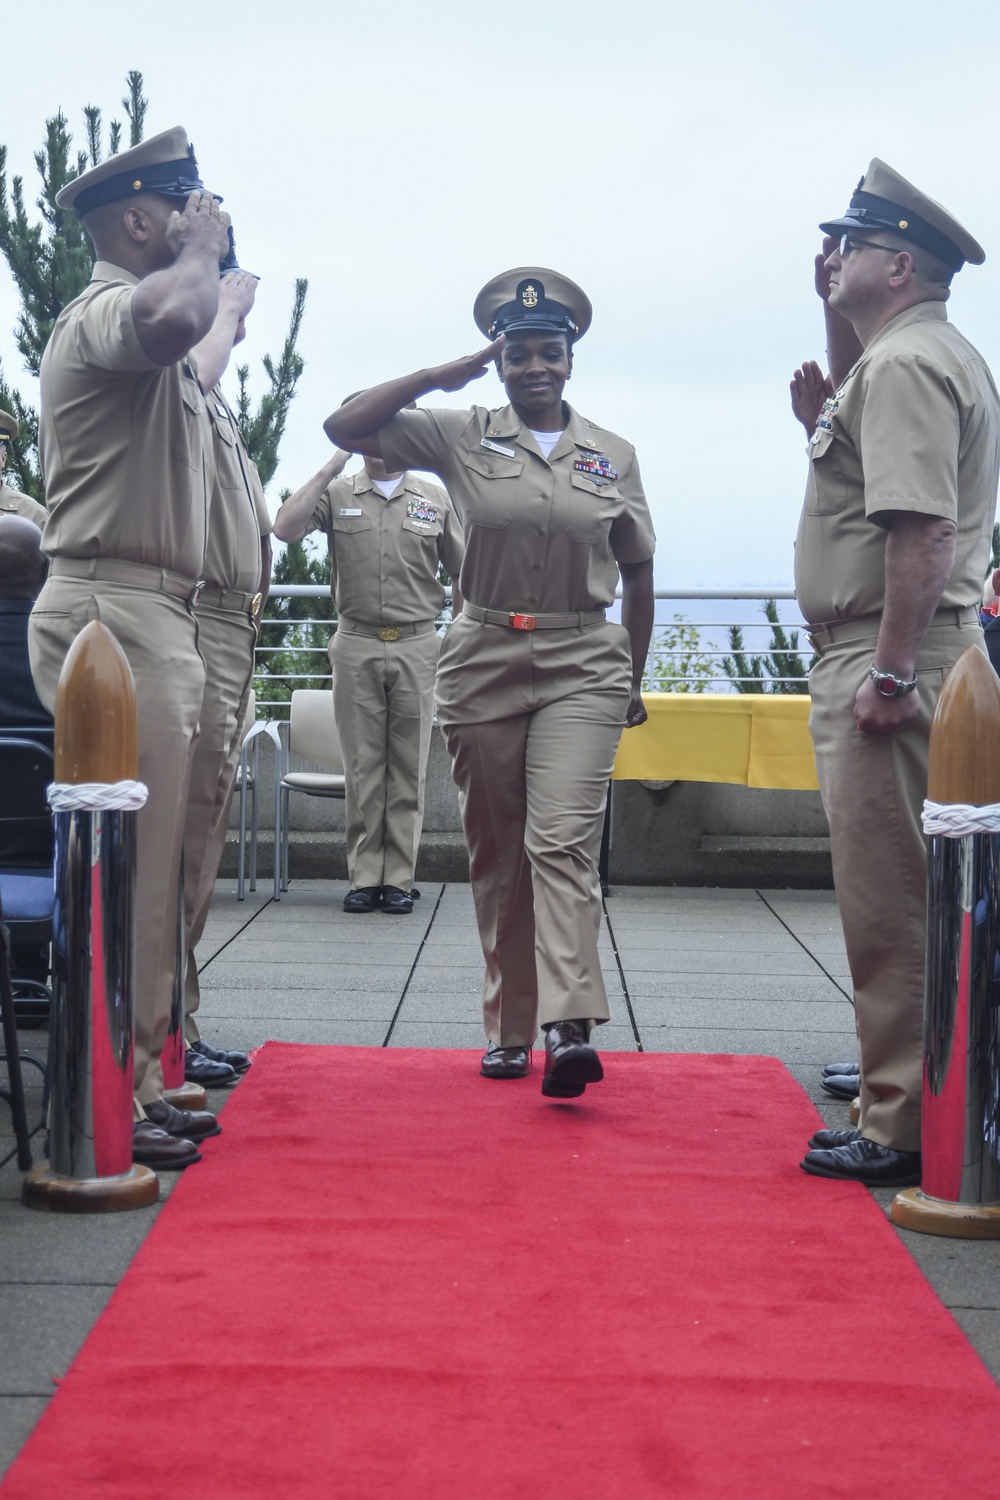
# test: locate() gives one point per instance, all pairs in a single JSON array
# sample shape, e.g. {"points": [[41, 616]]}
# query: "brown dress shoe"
{"points": [[570, 1061], [153, 1147], [189, 1124], [505, 1062]]}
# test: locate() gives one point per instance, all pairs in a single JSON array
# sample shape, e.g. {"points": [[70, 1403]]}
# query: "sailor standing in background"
{"points": [[534, 684], [388, 534], [237, 573], [127, 464], [11, 500]]}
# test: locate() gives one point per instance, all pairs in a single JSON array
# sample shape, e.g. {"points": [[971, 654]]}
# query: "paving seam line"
{"points": [[413, 966]]}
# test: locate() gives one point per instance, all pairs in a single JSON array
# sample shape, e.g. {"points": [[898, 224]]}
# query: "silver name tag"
{"points": [[358, 512], [498, 448]]}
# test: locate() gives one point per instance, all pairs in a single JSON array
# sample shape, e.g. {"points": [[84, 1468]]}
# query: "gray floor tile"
{"points": [[763, 1015], [18, 1415], [72, 1249], [41, 1330], [329, 1004], [724, 987], [983, 1331], [372, 975]]}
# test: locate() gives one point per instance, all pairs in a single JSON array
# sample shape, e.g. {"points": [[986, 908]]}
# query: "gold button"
{"points": [[137, 185], [904, 223], [493, 432]]}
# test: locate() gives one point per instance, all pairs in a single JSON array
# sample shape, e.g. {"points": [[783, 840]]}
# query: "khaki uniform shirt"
{"points": [[123, 441], [237, 517], [14, 503], [543, 536], [914, 427], [385, 553]]}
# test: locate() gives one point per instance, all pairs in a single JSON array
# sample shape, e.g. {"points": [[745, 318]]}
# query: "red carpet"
{"points": [[392, 1278]]}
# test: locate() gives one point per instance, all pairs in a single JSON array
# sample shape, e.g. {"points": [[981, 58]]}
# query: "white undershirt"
{"points": [[546, 440], [386, 486]]}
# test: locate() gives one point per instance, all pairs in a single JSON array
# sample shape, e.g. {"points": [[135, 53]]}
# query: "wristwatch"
{"points": [[889, 685]]}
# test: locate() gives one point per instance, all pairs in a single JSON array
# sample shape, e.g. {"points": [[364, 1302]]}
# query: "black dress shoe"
{"points": [[827, 1140], [570, 1061], [365, 898], [238, 1061], [841, 1070], [505, 1062], [201, 1069], [396, 902], [841, 1085], [153, 1147], [191, 1124], [866, 1161]]}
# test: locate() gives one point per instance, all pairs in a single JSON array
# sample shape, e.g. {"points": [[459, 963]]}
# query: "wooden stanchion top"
{"points": [[964, 761], [96, 735]]}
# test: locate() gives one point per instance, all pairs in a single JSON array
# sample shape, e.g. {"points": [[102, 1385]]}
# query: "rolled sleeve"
{"points": [[452, 546], [105, 334], [633, 539], [910, 436]]}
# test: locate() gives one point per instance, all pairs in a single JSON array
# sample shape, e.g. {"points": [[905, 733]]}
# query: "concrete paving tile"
{"points": [[982, 1329], [18, 1415], [762, 1015], [725, 987], [72, 1249], [790, 960], [336, 1033], [432, 1005], [330, 1004], [707, 939], [439, 1034], [740, 1043], [41, 1330], [454, 979], [233, 974], [965, 1274]]}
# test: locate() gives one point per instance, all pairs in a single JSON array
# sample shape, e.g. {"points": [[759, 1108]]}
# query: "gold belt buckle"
{"points": [[255, 604], [522, 622], [390, 633]]}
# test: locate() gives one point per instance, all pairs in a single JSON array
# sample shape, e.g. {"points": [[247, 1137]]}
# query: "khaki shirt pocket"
{"points": [[190, 450], [351, 537], [593, 507], [426, 530], [826, 492]]}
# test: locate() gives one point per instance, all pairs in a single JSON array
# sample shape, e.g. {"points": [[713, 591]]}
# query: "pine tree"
{"points": [[780, 670], [51, 260]]}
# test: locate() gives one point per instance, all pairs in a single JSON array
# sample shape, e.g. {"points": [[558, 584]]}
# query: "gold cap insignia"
{"points": [[529, 297]]}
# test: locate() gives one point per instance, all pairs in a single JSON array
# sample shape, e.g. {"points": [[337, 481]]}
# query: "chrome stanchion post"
{"points": [[959, 1194], [95, 799]]}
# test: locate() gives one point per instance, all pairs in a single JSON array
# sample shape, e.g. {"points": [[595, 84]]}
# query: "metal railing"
{"points": [[689, 652]]}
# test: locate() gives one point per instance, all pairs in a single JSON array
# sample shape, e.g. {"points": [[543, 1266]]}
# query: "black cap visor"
{"points": [[174, 179], [548, 317], [867, 212]]}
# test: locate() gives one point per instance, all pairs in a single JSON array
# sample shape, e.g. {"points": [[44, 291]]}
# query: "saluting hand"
{"points": [[202, 225], [237, 290], [459, 372], [809, 388], [822, 277]]}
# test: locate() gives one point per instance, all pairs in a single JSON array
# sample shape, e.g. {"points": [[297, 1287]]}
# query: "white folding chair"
{"points": [[249, 779], [311, 732]]}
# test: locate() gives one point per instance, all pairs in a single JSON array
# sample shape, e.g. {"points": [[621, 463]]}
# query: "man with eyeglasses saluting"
{"points": [[892, 548]]}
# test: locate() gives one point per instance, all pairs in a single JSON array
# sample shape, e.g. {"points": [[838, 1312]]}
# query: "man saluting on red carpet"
{"points": [[892, 550]]}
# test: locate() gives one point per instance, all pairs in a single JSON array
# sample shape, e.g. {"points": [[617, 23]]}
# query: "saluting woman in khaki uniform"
{"points": [[534, 684]]}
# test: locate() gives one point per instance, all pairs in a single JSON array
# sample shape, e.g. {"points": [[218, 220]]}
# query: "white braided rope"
{"points": [[97, 796], [957, 819]]}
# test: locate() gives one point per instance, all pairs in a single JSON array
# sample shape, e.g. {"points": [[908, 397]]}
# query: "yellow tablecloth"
{"points": [[752, 739]]}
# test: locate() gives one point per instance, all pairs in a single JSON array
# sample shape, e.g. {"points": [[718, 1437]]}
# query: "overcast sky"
{"points": [[674, 160]]}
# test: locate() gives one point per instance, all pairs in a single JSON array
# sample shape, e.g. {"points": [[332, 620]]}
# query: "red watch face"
{"points": [[886, 687]]}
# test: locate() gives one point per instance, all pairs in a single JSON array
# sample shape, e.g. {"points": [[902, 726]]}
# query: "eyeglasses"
{"points": [[848, 244]]}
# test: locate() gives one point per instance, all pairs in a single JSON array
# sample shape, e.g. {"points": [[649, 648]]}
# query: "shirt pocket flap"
{"points": [[595, 485], [493, 465], [350, 523], [421, 528], [819, 443]]}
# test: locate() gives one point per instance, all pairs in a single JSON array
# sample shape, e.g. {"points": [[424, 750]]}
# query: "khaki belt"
{"points": [[385, 632], [133, 574], [514, 620], [822, 637], [231, 601]]}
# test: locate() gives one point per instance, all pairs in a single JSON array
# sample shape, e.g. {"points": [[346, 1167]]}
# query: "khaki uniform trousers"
{"points": [[159, 637], [533, 785], [873, 789], [226, 640], [383, 702]]}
